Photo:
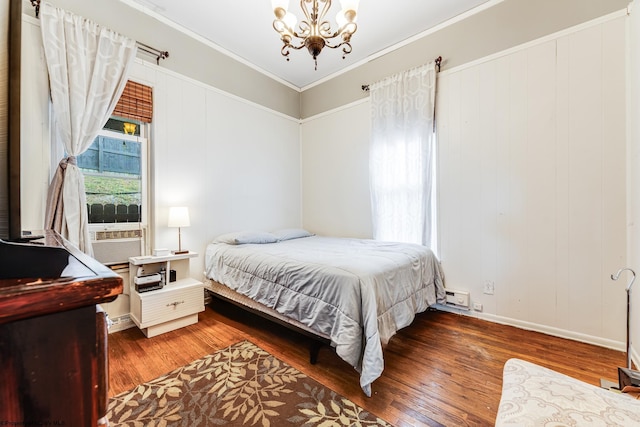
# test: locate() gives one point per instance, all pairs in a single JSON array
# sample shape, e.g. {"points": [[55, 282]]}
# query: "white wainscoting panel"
{"points": [[533, 181], [36, 161], [335, 173], [234, 164]]}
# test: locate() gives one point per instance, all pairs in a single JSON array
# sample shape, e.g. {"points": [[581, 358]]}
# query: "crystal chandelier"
{"points": [[314, 31]]}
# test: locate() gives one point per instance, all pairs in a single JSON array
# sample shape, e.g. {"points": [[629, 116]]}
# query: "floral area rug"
{"points": [[240, 385]]}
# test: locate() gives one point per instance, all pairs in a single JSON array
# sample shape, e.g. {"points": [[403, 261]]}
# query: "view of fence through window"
{"points": [[112, 169]]}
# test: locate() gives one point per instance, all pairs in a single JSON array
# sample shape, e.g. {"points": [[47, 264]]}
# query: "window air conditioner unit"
{"points": [[115, 246]]}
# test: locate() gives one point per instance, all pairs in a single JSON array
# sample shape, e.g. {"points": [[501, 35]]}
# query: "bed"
{"points": [[353, 293]]}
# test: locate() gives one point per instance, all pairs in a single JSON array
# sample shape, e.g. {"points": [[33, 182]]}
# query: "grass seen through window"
{"points": [[115, 190]]}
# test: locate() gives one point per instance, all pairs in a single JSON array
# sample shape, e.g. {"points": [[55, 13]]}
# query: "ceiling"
{"points": [[244, 29]]}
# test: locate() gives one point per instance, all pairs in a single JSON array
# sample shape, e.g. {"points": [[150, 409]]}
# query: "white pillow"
{"points": [[243, 237], [291, 233]]}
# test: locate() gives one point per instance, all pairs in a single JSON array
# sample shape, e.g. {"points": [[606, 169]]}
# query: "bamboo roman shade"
{"points": [[136, 103]]}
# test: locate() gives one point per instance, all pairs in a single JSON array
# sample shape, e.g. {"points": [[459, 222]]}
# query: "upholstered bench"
{"points": [[536, 396]]}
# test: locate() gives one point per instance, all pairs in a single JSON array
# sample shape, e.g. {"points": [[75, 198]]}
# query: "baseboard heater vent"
{"points": [[458, 299], [121, 323]]}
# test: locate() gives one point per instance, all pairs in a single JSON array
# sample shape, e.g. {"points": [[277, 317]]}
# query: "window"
{"points": [[114, 170], [405, 186]]}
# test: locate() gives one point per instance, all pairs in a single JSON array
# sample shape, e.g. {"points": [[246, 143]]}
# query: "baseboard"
{"points": [[121, 323], [635, 358], [556, 332]]}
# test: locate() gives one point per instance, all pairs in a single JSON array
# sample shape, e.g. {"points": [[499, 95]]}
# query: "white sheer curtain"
{"points": [[87, 73], [402, 156]]}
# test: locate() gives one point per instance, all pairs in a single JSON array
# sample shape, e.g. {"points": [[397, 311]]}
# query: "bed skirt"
{"points": [[225, 293]]}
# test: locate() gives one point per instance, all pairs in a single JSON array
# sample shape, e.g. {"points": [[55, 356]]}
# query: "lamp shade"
{"points": [[290, 19], [179, 217]]}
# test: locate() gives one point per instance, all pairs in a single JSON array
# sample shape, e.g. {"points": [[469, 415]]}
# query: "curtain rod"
{"points": [[438, 62], [159, 54]]}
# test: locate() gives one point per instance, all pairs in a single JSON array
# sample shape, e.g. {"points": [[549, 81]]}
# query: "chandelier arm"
{"points": [[305, 30], [346, 49], [298, 47], [280, 26], [305, 10], [325, 9], [324, 28], [338, 33], [346, 31], [285, 49], [335, 46]]}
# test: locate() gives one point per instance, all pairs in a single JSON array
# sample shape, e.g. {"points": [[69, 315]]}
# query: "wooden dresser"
{"points": [[53, 336]]}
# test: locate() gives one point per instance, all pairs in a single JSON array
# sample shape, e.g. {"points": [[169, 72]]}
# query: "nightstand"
{"points": [[159, 305]]}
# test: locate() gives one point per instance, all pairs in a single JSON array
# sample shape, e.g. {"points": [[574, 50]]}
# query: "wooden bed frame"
{"points": [[225, 293]]}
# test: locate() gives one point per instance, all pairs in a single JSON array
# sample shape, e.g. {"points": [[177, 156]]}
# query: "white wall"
{"points": [[532, 183], [633, 175], [335, 164], [35, 156], [532, 180]]}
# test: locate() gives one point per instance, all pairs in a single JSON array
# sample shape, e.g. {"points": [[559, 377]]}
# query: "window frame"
{"points": [[144, 178]]}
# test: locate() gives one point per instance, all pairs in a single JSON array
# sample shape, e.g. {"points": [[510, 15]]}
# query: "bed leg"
{"points": [[314, 349]]}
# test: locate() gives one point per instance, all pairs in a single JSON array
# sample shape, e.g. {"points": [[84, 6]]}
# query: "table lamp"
{"points": [[179, 217]]}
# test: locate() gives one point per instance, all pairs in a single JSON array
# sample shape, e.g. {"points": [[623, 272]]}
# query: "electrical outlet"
{"points": [[477, 306], [489, 287]]}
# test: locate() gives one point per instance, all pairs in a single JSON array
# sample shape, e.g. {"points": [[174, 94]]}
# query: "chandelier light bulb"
{"points": [[350, 5], [341, 19], [290, 20], [345, 17], [280, 4], [349, 15]]}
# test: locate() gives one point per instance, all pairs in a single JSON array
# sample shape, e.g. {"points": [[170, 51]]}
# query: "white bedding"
{"points": [[358, 292]]}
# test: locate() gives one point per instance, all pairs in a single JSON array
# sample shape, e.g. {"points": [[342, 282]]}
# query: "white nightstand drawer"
{"points": [[176, 305], [169, 303]]}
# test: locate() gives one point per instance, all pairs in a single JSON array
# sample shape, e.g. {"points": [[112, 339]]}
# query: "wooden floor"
{"points": [[444, 369]]}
